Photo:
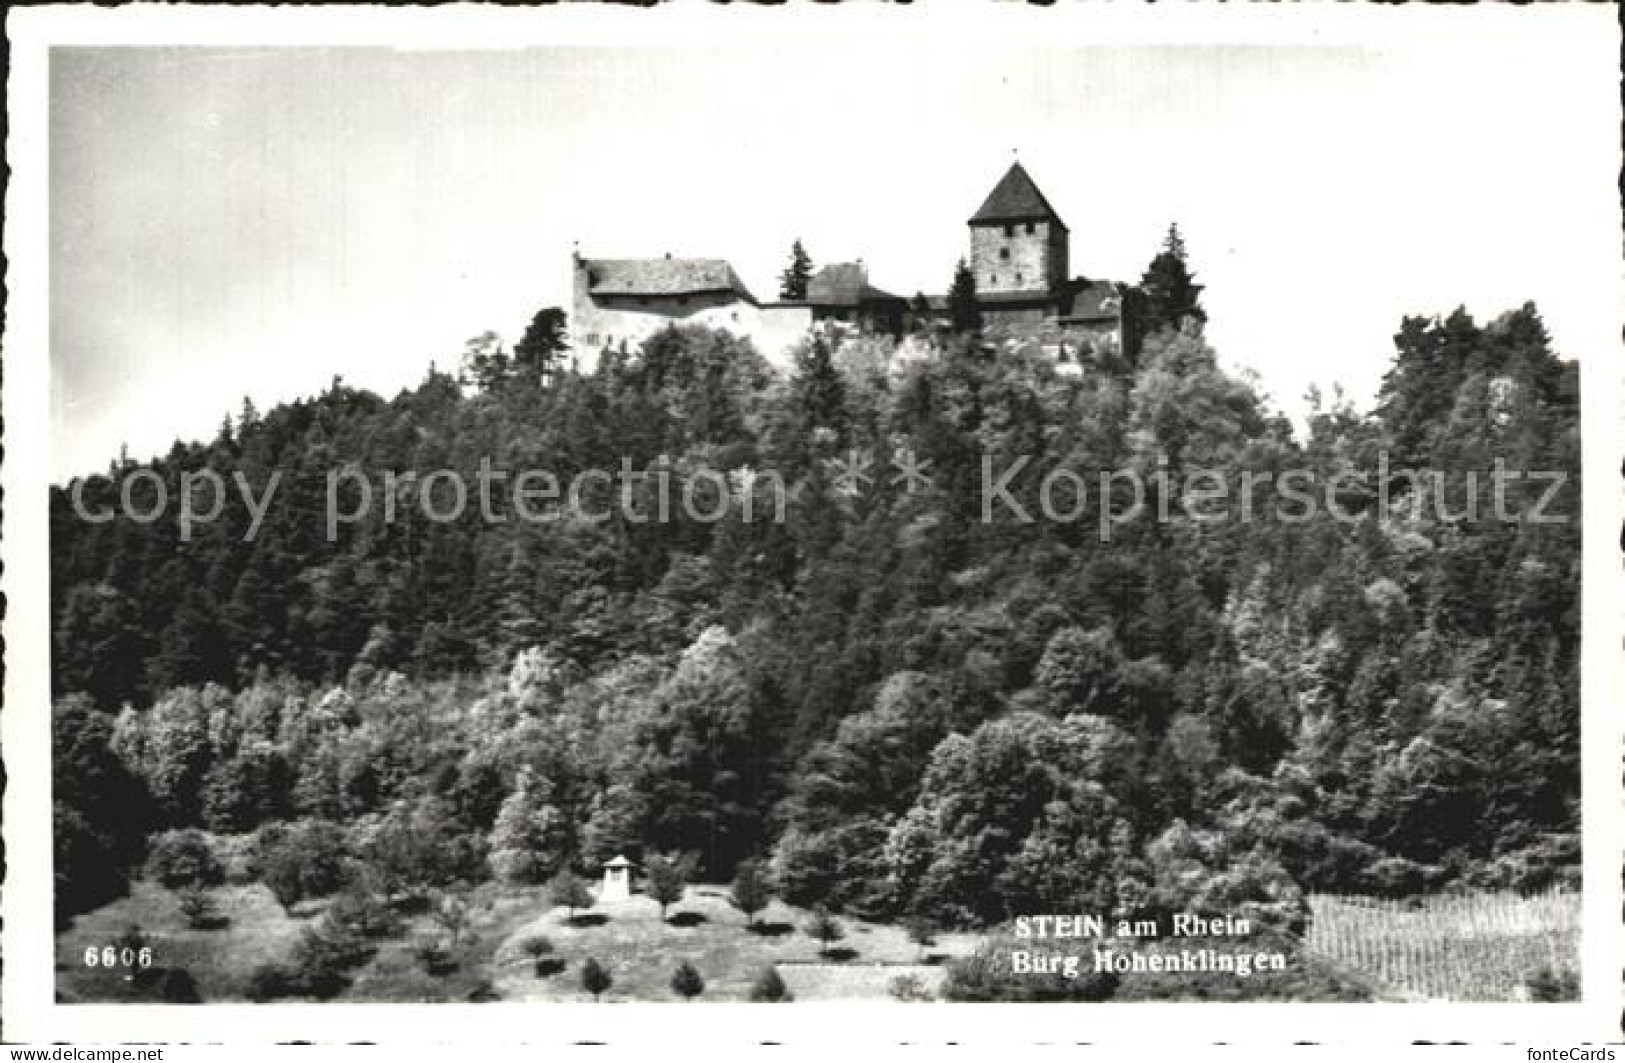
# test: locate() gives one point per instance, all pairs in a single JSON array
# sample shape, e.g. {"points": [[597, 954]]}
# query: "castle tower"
{"points": [[1018, 244]]}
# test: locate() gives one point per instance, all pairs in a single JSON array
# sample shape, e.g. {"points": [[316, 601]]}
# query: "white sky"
{"points": [[253, 221]]}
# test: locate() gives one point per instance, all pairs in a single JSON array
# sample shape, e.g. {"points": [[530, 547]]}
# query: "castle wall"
{"points": [[1026, 317], [1019, 262], [608, 321]]}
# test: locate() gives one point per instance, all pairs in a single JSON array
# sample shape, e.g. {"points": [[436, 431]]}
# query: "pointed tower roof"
{"points": [[1015, 198]]}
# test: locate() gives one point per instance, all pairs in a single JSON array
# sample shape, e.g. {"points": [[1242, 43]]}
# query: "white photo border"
{"points": [[28, 986]]}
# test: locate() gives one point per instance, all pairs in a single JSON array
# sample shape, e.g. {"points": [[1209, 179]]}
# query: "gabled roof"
{"points": [[1093, 301], [1015, 198], [844, 284], [662, 276]]}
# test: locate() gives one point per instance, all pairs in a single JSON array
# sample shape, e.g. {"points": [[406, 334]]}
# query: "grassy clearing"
{"points": [[641, 952], [1482, 946], [394, 975], [628, 938], [256, 931]]}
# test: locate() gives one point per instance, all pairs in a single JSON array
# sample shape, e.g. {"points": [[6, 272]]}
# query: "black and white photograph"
{"points": [[816, 505]]}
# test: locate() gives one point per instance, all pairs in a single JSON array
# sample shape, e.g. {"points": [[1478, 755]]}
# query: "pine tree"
{"points": [[821, 390], [1171, 294], [963, 312], [536, 355], [919, 313], [793, 281], [485, 364]]}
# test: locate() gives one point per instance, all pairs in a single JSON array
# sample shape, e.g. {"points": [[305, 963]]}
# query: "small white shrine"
{"points": [[617, 880]]}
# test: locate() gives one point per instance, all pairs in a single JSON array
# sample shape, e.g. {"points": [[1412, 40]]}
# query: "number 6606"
{"points": [[108, 956]]}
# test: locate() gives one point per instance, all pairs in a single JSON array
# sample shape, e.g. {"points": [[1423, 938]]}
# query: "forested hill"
{"points": [[909, 707]]}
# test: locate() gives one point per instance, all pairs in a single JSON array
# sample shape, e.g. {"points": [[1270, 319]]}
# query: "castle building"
{"points": [[1018, 244], [1020, 255], [841, 292], [623, 301]]}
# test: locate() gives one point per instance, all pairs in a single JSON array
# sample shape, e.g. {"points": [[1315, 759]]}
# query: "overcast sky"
{"points": [[231, 222]]}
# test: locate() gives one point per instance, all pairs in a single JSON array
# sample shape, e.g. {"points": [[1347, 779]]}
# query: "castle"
{"points": [[1019, 255]]}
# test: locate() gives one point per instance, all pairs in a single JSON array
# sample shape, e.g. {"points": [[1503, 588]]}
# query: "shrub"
{"points": [[1553, 861], [536, 946], [322, 956], [825, 929], [769, 988], [198, 909], [1200, 871], [987, 976], [451, 914], [433, 957], [269, 981], [239, 855], [921, 931], [183, 858], [363, 914], [177, 986], [131, 939], [1396, 876], [539, 948], [1552, 984], [569, 892], [594, 979], [909, 989], [1305, 977], [686, 981]]}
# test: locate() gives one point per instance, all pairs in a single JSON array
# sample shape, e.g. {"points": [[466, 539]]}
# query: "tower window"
{"points": [[1018, 278], [992, 278], [1029, 228], [1009, 230], [1004, 254]]}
